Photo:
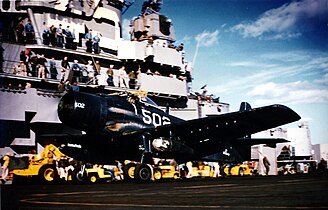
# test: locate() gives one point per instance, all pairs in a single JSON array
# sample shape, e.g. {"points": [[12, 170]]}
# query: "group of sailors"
{"points": [[57, 36], [93, 73], [34, 65], [92, 42], [25, 33], [65, 167], [61, 37]]}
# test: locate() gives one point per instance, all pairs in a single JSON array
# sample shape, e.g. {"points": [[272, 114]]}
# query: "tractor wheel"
{"points": [[48, 174], [129, 171], [93, 178], [157, 174], [176, 176]]}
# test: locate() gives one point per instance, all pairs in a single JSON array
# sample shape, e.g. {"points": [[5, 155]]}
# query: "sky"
{"points": [[260, 51]]}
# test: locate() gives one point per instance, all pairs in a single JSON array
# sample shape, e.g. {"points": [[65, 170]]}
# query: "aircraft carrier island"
{"points": [[29, 89], [51, 47]]}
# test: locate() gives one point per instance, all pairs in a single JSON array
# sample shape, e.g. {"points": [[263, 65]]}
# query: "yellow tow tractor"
{"points": [[99, 173], [42, 166], [239, 170], [166, 172], [96, 173]]}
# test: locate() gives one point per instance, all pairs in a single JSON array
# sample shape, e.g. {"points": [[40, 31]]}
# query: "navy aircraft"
{"points": [[131, 127]]}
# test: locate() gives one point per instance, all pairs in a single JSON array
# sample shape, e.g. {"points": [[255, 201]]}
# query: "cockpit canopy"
{"points": [[137, 97], [148, 101]]}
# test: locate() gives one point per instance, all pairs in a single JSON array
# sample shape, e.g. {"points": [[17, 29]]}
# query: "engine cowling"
{"points": [[83, 111]]}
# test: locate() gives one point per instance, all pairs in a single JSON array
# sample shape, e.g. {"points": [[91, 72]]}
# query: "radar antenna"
{"points": [[151, 6], [127, 5]]}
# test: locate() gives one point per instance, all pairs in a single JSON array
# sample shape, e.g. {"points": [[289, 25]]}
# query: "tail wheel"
{"points": [[129, 171], [157, 174], [142, 173], [48, 174]]}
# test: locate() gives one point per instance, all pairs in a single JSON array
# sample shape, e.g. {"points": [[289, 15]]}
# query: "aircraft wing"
{"points": [[230, 126]]}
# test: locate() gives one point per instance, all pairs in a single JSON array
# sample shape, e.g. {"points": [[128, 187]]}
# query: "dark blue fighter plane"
{"points": [[131, 127]]}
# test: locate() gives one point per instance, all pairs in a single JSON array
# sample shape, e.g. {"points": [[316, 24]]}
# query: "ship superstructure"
{"points": [[153, 63]]}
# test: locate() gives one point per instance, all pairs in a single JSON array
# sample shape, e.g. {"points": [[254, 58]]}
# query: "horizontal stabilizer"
{"points": [[271, 142]]}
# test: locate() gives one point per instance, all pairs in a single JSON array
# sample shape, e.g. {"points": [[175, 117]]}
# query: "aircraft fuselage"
{"points": [[110, 122]]}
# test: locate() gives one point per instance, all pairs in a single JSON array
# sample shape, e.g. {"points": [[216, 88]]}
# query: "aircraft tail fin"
{"points": [[244, 106]]}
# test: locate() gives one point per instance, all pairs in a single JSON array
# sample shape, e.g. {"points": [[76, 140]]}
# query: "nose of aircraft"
{"points": [[83, 111]]}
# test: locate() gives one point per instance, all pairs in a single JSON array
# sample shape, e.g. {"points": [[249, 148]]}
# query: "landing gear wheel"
{"points": [[157, 174], [48, 174], [128, 171], [142, 173]]}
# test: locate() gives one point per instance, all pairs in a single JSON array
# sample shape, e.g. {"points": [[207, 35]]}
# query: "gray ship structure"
{"points": [[36, 35]]}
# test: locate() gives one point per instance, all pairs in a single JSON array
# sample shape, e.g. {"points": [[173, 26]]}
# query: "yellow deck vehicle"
{"points": [[201, 171], [99, 173], [239, 170], [94, 173], [165, 172], [42, 166]]}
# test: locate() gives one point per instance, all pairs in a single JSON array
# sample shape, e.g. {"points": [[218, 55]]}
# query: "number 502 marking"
{"points": [[154, 118]]}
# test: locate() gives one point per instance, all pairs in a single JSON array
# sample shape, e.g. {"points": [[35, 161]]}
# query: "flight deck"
{"points": [[301, 191]]}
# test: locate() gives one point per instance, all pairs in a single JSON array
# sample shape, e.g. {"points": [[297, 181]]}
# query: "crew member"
{"points": [[216, 166], [65, 66], [60, 36], [5, 169], [110, 74], [29, 30], [88, 43], [189, 166], [96, 40], [20, 29], [266, 163]]}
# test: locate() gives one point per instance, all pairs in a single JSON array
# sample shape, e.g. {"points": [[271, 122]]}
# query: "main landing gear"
{"points": [[141, 172]]}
